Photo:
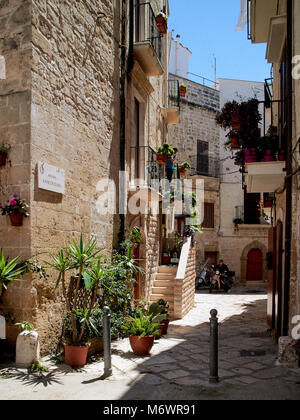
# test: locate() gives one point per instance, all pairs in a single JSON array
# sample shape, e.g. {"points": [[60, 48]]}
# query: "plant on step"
{"points": [[38, 367], [10, 270]]}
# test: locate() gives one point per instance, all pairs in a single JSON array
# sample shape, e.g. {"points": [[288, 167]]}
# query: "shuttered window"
{"points": [[209, 216]]}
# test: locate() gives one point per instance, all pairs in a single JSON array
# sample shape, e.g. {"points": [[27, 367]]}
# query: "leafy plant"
{"points": [[37, 367], [15, 206], [163, 15], [141, 326], [9, 270], [25, 326], [4, 148], [165, 150], [185, 165]]}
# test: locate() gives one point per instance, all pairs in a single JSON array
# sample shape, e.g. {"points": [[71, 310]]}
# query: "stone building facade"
{"points": [[76, 93]]}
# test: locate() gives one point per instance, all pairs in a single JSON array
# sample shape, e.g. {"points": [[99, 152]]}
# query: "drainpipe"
{"points": [[288, 224], [126, 66]]}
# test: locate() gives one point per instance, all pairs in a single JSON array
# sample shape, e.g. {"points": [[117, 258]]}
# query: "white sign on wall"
{"points": [[51, 178]]}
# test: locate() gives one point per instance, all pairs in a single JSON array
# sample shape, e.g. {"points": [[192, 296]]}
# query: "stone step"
{"points": [[163, 290], [163, 283], [165, 276], [166, 269]]}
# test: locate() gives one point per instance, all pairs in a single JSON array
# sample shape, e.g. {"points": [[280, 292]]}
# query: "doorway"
{"points": [[255, 265]]}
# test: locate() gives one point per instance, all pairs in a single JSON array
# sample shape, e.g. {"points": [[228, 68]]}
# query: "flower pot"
{"points": [[235, 143], [182, 91], [281, 156], [268, 203], [162, 25], [166, 259], [250, 155], [235, 121], [141, 346], [268, 157], [164, 325], [76, 355], [182, 171], [3, 157], [16, 219], [162, 159]]}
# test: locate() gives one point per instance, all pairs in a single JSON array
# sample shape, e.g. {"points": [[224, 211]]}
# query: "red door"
{"points": [[255, 265]]}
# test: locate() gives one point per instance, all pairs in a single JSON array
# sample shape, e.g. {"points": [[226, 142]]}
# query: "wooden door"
{"points": [[213, 256], [255, 265]]}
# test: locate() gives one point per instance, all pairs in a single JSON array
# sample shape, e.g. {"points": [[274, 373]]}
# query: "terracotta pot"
{"points": [[16, 219], [235, 143], [281, 156], [182, 171], [268, 203], [76, 355], [3, 157], [162, 159], [162, 25], [250, 155], [182, 91], [166, 259], [164, 325], [268, 157], [235, 121], [141, 346]]}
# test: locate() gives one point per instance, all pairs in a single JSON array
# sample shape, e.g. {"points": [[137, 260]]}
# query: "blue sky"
{"points": [[207, 28]]}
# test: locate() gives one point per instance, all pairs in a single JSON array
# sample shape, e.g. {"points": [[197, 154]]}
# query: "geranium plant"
{"points": [[16, 209]]}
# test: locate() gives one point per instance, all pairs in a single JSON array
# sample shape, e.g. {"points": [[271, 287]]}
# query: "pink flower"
{"points": [[13, 203], [15, 196]]}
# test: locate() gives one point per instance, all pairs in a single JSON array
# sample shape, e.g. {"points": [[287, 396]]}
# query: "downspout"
{"points": [[288, 223], [126, 66]]}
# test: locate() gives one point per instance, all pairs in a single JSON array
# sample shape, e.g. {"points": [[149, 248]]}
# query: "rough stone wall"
{"points": [[69, 79], [15, 130], [184, 290], [197, 122]]}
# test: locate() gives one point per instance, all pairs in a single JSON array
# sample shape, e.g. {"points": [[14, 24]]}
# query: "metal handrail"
{"points": [[173, 94]]}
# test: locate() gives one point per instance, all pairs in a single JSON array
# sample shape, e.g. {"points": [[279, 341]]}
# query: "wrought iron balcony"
{"points": [[148, 41]]}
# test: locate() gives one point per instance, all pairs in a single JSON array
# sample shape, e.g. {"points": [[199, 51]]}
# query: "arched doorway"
{"points": [[255, 265]]}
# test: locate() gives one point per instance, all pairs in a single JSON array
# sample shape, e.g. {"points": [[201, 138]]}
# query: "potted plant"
{"points": [[4, 149], [16, 209], [162, 23], [163, 153], [182, 90], [183, 168], [229, 115], [86, 272], [164, 323], [9, 270]]}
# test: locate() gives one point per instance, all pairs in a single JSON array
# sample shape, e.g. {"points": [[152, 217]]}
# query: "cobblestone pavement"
{"points": [[179, 364]]}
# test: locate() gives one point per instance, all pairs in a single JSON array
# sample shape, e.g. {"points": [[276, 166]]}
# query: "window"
{"points": [[202, 158], [209, 216], [251, 211]]}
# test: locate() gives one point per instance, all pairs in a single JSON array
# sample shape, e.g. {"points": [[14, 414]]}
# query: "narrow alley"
{"points": [[179, 365]]}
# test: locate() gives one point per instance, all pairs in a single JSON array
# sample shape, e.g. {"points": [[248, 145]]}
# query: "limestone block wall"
{"points": [[184, 289], [59, 105]]}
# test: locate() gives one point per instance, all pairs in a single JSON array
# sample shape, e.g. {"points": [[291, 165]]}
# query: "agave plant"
{"points": [[9, 270]]}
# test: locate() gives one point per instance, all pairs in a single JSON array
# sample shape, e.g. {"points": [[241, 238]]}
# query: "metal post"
{"points": [[107, 342], [213, 362]]}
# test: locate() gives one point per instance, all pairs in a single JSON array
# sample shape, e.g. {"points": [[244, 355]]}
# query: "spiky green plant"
{"points": [[9, 270]]}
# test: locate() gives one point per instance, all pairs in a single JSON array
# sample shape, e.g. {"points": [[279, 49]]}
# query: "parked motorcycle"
{"points": [[204, 280], [222, 281]]}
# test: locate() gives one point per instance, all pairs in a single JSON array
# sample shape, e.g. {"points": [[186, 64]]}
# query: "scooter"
{"points": [[220, 282]]}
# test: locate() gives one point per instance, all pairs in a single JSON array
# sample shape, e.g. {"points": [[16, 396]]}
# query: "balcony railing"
{"points": [[173, 94], [144, 167], [205, 165], [146, 34]]}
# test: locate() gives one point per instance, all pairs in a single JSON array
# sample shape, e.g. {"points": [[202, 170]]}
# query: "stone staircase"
{"points": [[163, 286]]}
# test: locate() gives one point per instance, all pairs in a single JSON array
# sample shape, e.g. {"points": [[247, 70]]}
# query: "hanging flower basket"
{"points": [[182, 91], [162, 159], [162, 24], [16, 219]]}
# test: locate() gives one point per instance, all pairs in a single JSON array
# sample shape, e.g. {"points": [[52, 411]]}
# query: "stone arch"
{"points": [[253, 245]]}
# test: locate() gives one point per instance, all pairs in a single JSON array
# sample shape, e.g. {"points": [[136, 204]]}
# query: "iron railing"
{"points": [[173, 94], [205, 165], [145, 28], [144, 166]]}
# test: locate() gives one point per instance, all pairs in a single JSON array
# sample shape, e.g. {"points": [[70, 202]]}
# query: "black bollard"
{"points": [[213, 361], [107, 342]]}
